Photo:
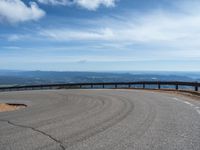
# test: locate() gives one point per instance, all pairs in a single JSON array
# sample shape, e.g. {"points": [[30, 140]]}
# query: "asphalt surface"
{"points": [[100, 120]]}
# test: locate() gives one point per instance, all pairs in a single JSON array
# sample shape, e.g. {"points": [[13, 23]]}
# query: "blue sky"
{"points": [[100, 35]]}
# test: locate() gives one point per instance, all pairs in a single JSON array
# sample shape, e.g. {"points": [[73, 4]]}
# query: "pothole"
{"points": [[11, 106]]}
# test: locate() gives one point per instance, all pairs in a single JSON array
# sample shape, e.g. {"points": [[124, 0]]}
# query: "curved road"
{"points": [[100, 120]]}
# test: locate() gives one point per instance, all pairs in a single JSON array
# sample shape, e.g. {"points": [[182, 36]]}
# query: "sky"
{"points": [[100, 35]]}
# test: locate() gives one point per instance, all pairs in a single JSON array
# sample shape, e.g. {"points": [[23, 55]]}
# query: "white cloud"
{"points": [[54, 2], [67, 34], [158, 27], [172, 34], [17, 37], [94, 4], [15, 11], [12, 47], [87, 4]]}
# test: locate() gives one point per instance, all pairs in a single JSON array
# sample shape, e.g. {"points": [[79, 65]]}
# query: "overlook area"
{"points": [[99, 74], [100, 119]]}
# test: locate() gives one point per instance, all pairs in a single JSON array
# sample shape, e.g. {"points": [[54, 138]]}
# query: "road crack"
{"points": [[36, 130]]}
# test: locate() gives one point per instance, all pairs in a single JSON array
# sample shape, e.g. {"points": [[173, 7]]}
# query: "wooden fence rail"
{"points": [[157, 85]]}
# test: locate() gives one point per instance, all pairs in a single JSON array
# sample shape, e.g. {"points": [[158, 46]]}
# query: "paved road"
{"points": [[100, 120]]}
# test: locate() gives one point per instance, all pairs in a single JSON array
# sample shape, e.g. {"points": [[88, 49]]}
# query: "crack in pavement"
{"points": [[36, 130]]}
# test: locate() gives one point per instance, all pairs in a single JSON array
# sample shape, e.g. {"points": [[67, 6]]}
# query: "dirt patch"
{"points": [[10, 107]]}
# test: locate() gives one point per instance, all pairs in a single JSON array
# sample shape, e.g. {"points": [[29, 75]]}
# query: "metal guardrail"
{"points": [[102, 85]]}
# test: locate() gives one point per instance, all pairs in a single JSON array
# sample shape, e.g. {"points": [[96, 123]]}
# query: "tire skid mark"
{"points": [[75, 114], [101, 108], [102, 126], [137, 134]]}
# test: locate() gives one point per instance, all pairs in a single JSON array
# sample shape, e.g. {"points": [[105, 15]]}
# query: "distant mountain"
{"points": [[9, 77]]}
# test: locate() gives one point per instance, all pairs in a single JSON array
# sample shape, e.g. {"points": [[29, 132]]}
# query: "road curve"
{"points": [[99, 120]]}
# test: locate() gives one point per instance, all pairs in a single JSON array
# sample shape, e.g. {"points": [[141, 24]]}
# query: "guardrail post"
{"points": [[91, 86], [116, 86], [196, 88], [176, 86], [103, 86], [143, 86], [129, 86], [80, 86], [158, 85]]}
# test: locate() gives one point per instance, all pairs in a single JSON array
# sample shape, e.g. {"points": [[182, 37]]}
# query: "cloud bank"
{"points": [[159, 26], [15, 11], [174, 34], [87, 4]]}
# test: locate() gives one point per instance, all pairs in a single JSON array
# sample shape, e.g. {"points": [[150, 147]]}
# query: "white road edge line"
{"points": [[197, 109], [188, 103]]}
